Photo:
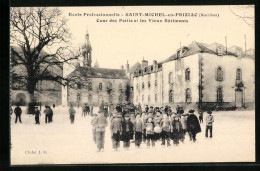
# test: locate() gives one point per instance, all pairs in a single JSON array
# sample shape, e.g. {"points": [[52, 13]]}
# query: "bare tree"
{"points": [[244, 12], [39, 43]]}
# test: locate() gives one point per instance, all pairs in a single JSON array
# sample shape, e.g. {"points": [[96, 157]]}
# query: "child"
{"points": [[127, 131], [116, 130], [138, 128], [157, 131], [166, 129], [150, 132], [177, 132], [144, 120], [93, 127], [201, 116]]}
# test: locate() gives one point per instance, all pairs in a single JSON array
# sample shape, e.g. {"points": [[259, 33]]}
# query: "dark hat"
{"points": [[191, 111], [209, 112], [151, 106]]}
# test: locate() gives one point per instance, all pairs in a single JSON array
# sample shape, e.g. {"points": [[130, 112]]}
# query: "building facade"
{"points": [[199, 76], [97, 85]]}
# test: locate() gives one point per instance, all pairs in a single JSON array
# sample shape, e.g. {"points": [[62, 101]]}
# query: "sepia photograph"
{"points": [[132, 84]]}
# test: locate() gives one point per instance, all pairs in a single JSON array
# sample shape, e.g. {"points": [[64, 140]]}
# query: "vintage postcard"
{"points": [[132, 84]]}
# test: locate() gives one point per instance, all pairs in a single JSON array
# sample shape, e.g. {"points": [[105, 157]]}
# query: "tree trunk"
{"points": [[32, 101]]}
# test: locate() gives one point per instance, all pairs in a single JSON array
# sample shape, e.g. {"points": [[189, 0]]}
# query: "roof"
{"points": [[90, 72], [197, 47], [133, 68]]}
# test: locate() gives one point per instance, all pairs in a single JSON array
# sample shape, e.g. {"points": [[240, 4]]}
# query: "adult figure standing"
{"points": [[51, 114], [193, 125], [37, 114], [18, 112], [72, 114], [100, 125], [47, 112], [209, 122]]}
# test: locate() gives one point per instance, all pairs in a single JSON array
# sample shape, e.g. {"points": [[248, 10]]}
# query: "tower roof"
{"points": [[96, 64]]}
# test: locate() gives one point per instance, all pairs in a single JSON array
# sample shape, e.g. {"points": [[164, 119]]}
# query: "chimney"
{"points": [[127, 66], [144, 63], [154, 64], [122, 67]]}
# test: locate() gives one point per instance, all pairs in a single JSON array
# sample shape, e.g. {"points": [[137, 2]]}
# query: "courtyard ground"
{"points": [[63, 143]]}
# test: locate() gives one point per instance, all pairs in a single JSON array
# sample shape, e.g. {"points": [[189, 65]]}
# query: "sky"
{"points": [[115, 43]]}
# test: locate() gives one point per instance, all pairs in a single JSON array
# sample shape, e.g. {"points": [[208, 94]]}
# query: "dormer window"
{"points": [[179, 54], [239, 53], [220, 50]]}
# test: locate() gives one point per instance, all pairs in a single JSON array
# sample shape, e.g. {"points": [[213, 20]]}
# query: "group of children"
{"points": [[149, 126]]}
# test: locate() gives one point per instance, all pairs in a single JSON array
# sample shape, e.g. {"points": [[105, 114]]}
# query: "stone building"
{"points": [[199, 76], [98, 85], [47, 92]]}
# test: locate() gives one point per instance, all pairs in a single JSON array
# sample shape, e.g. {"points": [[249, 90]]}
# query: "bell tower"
{"points": [[87, 51]]}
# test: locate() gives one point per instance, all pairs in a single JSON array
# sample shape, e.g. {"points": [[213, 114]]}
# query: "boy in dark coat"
{"points": [[177, 130], [193, 125], [18, 112], [201, 116], [37, 114], [127, 131]]}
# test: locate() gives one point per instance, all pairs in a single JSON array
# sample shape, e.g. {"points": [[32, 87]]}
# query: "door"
{"points": [[239, 98]]}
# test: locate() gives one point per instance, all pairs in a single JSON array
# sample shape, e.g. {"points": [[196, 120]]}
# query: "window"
{"points": [[219, 74], [188, 95], [109, 85], [149, 98], [220, 50], [155, 98], [142, 85], [100, 86], [149, 84], [142, 98], [170, 78], [179, 54], [120, 87], [219, 95], [90, 86], [239, 75], [155, 83], [136, 99], [89, 98], [187, 74], [136, 86], [170, 96]]}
